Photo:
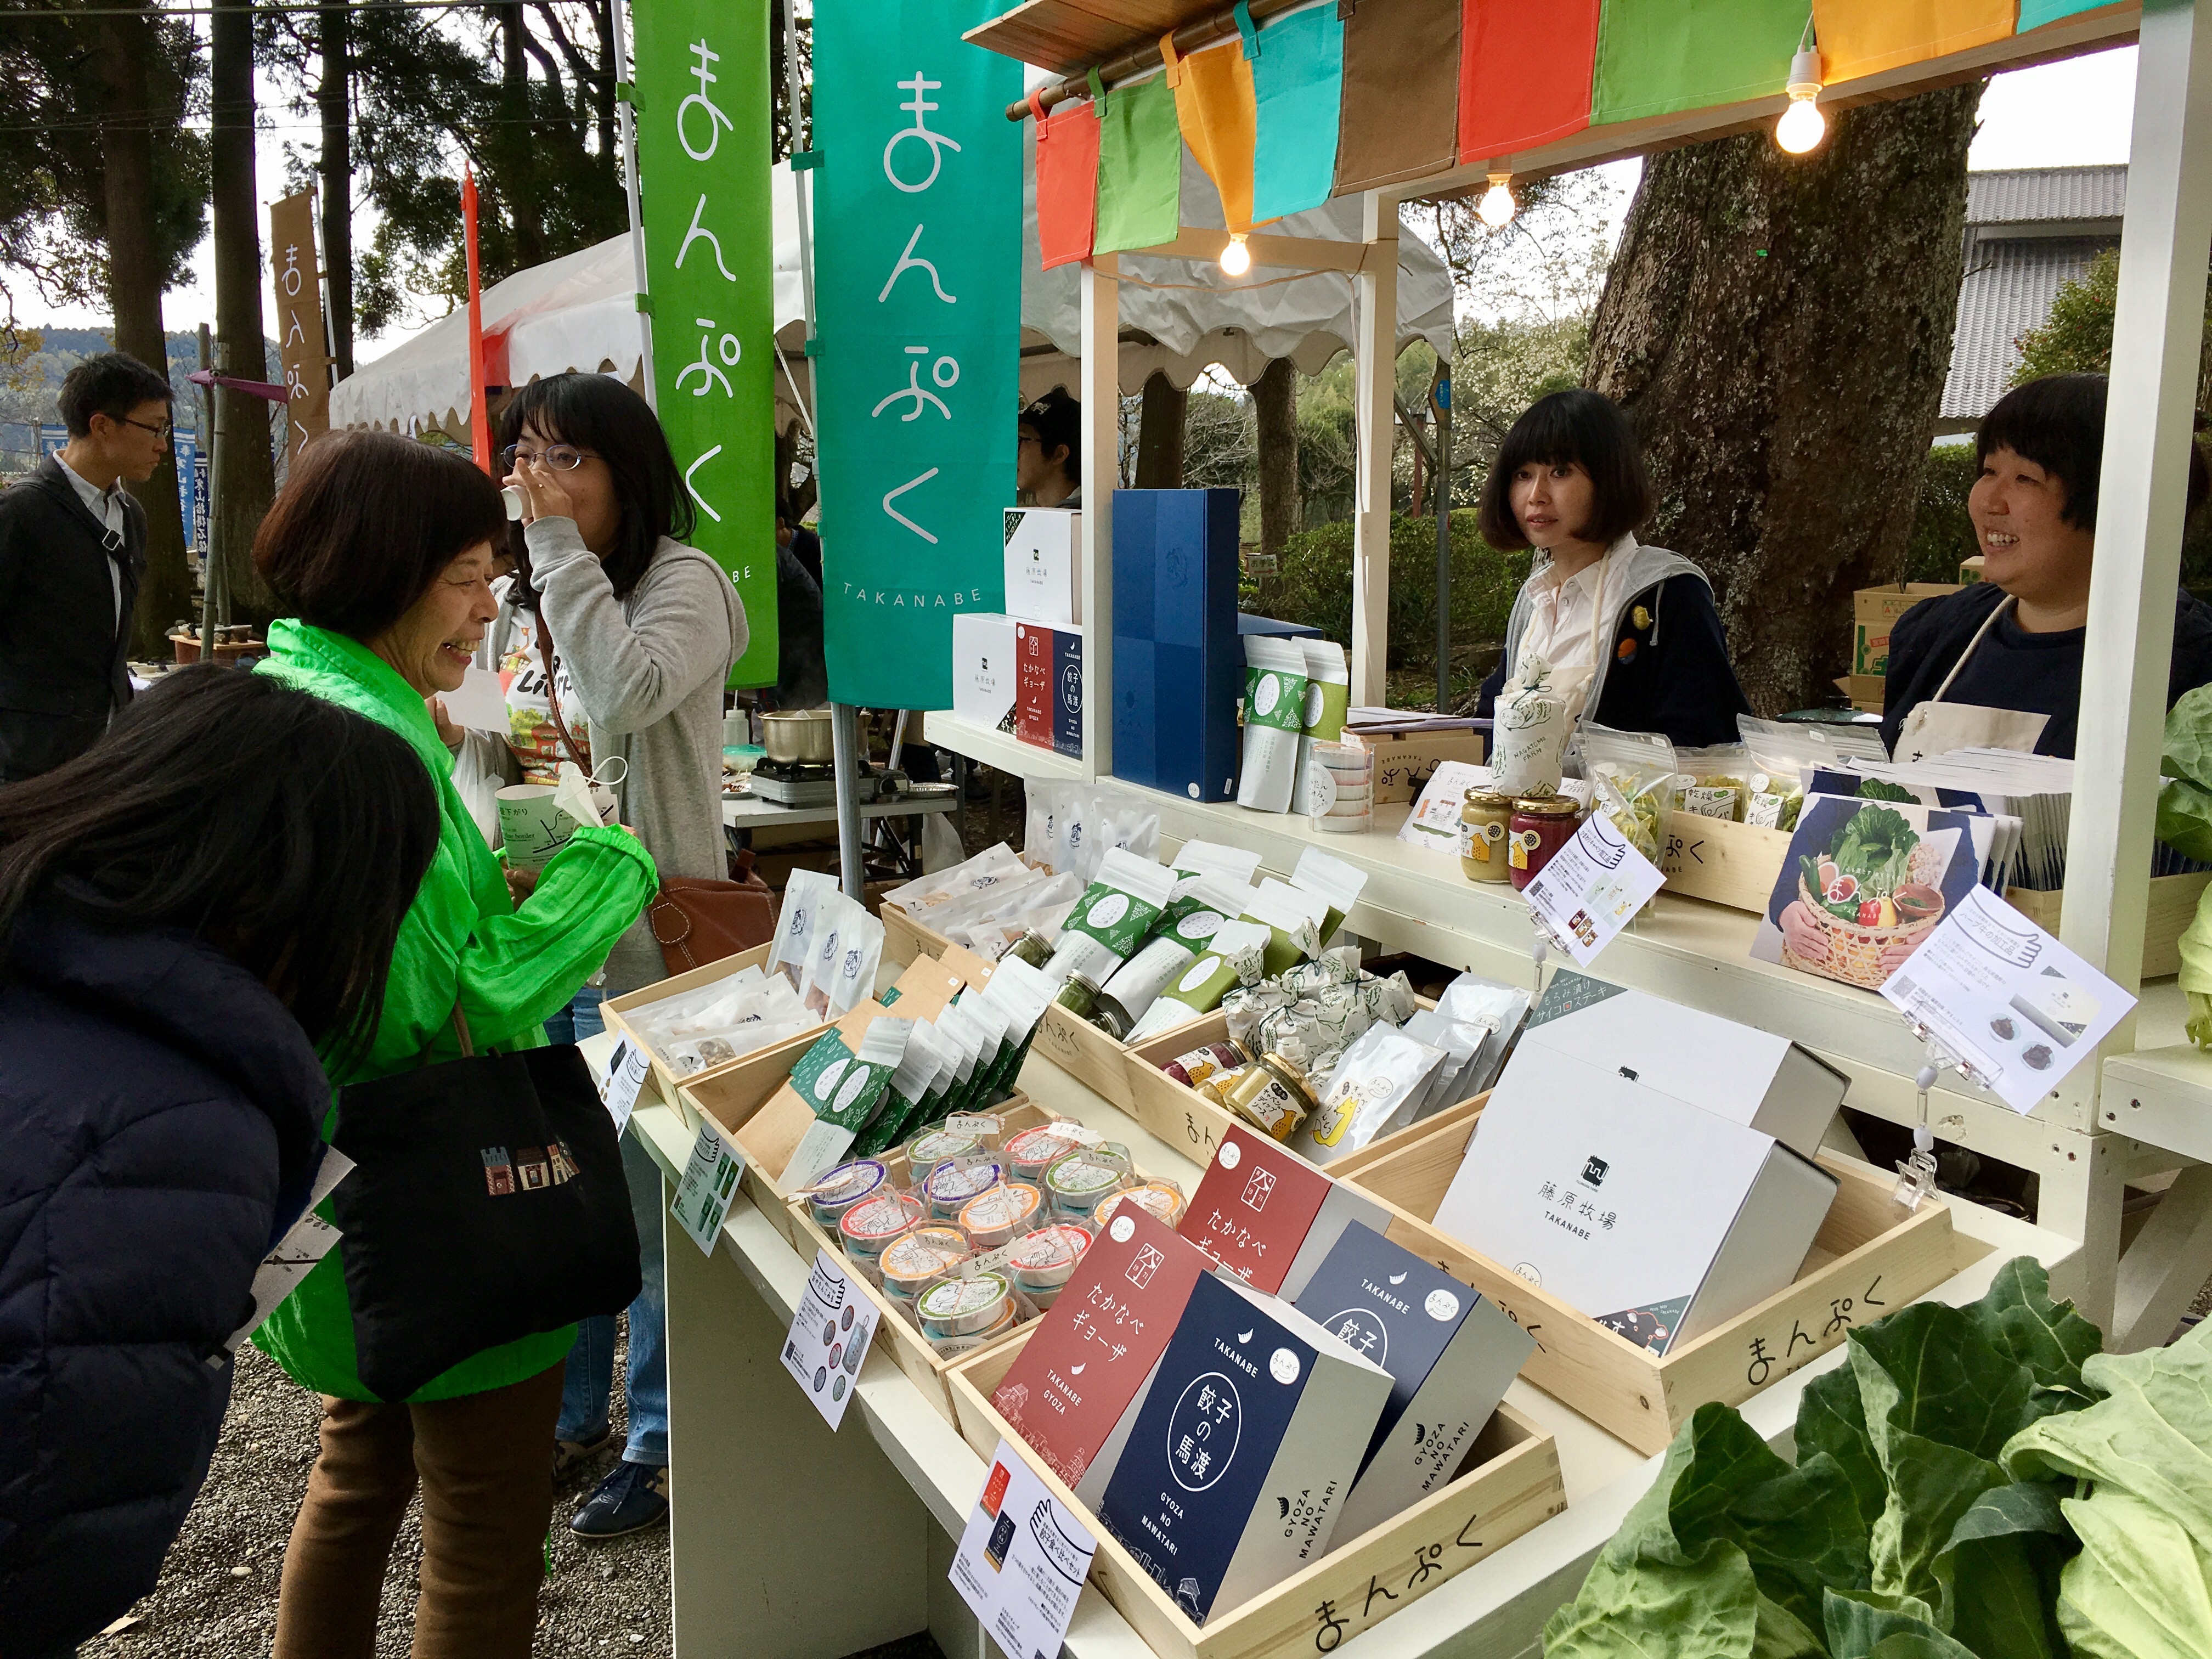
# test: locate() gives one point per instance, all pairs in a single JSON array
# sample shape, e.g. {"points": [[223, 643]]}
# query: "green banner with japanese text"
{"points": [[702, 107], [917, 259]]}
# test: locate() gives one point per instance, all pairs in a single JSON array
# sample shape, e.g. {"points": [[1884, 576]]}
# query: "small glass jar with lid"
{"points": [[1541, 824], [1485, 823]]}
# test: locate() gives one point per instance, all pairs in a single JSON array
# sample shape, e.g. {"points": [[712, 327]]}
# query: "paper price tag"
{"points": [[306, 1241], [709, 1183], [1591, 888], [2017, 1009], [829, 1337], [626, 1072], [1022, 1560]]}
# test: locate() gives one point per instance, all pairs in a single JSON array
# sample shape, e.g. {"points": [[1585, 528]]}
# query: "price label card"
{"points": [[1591, 888], [2018, 1009], [709, 1183], [829, 1337], [1022, 1560], [626, 1072], [306, 1242]]}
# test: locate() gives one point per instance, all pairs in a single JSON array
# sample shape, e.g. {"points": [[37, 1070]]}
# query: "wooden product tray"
{"points": [[1869, 1257], [1509, 1485], [616, 1010]]}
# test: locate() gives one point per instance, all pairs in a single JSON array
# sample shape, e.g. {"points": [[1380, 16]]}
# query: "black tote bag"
{"points": [[487, 1203]]}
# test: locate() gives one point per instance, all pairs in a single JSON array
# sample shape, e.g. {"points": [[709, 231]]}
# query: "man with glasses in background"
{"points": [[72, 551]]}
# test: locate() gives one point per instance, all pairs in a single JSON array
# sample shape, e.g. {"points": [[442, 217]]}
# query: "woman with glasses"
{"points": [[633, 637]]}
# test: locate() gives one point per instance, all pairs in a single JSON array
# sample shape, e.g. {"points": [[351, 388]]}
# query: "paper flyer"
{"points": [[703, 1198], [306, 1242], [2016, 1008], [626, 1071], [1022, 1560], [829, 1337], [1591, 888]]}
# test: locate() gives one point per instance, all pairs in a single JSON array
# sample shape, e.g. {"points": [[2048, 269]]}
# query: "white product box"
{"points": [[1747, 1075], [1044, 565], [983, 671], [1657, 1219]]}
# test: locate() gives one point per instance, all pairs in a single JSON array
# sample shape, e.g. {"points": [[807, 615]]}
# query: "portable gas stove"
{"points": [[790, 784]]}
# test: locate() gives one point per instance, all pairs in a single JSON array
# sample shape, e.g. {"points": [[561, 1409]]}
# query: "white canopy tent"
{"points": [[1178, 316]]}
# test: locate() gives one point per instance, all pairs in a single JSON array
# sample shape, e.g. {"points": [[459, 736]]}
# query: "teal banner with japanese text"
{"points": [[917, 259], [702, 169]]}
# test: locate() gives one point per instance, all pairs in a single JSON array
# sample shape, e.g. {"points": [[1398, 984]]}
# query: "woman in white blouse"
{"points": [[1629, 631]]}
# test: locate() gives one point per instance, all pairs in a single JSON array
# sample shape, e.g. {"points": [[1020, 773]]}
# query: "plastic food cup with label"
{"points": [[1001, 1215], [1082, 1180], [951, 1186], [962, 1310], [1043, 1261], [1028, 1152], [1163, 1199], [844, 1187], [938, 1146], [870, 1226], [929, 1252]]}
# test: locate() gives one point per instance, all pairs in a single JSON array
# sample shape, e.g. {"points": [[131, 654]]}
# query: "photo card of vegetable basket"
{"points": [[1864, 884]]}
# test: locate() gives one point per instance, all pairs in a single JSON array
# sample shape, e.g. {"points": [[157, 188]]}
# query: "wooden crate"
{"points": [[906, 1344], [2173, 900], [1509, 1484], [1869, 1257], [616, 1010]]}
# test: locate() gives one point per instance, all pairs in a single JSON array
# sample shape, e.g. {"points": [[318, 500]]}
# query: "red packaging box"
{"points": [[1036, 695], [1269, 1216]]}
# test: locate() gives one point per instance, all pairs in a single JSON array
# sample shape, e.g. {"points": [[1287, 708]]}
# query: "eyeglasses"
{"points": [[164, 432], [561, 457]]}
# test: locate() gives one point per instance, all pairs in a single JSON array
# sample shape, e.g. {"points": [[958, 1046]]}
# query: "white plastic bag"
{"points": [[1530, 732]]}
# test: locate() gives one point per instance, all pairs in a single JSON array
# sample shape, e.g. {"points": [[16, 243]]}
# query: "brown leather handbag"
{"points": [[696, 919]]}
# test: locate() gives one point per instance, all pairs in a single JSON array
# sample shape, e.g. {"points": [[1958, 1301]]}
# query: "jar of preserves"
{"points": [[1272, 1095], [1485, 822], [1541, 824]]}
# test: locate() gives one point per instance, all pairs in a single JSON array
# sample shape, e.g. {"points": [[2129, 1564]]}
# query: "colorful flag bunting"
{"points": [[1659, 57], [1140, 167], [1298, 87], [1401, 110], [1214, 106], [1067, 182], [2034, 13], [1865, 36], [1524, 74]]}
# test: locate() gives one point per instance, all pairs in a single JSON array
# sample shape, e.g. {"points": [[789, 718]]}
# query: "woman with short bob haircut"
{"points": [[380, 553], [1630, 632], [2013, 640], [187, 910]]}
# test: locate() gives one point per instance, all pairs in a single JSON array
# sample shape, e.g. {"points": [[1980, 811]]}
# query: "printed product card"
{"points": [[1864, 884], [1434, 822], [829, 1337], [626, 1072], [1238, 1463], [1591, 888], [1450, 1355], [2018, 1009], [1077, 1376], [1269, 1216], [1022, 1560], [1576, 1179], [710, 1182], [306, 1241]]}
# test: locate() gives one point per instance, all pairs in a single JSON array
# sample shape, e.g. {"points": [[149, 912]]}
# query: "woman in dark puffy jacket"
{"points": [[187, 910]]}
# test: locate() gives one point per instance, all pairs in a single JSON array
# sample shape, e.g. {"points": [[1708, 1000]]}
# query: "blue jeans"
{"points": [[579, 1019], [589, 1383]]}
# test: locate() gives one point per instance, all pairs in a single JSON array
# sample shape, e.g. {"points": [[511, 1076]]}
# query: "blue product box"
{"points": [[1178, 659]]}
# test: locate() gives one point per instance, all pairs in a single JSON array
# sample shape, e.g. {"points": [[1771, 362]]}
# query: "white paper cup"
{"points": [[531, 826]]}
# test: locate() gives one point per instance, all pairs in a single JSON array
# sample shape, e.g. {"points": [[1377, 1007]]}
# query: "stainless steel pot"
{"points": [[798, 737]]}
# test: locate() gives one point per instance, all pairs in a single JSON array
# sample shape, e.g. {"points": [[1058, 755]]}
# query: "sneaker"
{"points": [[570, 1455], [633, 1497]]}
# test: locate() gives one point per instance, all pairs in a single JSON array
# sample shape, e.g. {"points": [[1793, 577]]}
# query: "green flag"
{"points": [[702, 169], [1139, 168], [917, 259]]}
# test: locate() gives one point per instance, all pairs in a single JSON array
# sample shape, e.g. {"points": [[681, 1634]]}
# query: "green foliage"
{"points": [[2076, 335], [1314, 586], [1942, 533], [1907, 1529]]}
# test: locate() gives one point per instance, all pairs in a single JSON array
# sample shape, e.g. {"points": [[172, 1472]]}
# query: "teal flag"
{"points": [[703, 170], [2034, 13], [1297, 90], [918, 288]]}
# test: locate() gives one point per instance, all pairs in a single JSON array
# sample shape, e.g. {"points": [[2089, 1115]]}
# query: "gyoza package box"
{"points": [[1658, 1219], [1044, 565], [1748, 1076], [1074, 1391], [1450, 1353], [1269, 1216], [984, 673], [1245, 1446]]}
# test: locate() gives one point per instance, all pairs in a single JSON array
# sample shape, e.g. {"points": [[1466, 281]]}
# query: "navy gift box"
{"points": [[1178, 662]]}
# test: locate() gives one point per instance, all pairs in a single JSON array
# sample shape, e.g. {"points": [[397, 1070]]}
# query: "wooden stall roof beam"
{"points": [[1289, 252]]}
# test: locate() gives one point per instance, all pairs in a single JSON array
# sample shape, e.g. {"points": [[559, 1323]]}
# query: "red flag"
{"points": [[479, 410]]}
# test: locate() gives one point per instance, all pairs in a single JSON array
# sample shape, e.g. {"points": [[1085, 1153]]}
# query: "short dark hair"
{"points": [[1058, 419], [113, 383], [365, 523], [2058, 422], [1583, 427], [290, 833], [599, 413]]}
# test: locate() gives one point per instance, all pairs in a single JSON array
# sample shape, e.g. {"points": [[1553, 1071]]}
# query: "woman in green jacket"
{"points": [[380, 550]]}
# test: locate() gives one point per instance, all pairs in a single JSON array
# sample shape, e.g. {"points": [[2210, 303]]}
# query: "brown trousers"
{"points": [[485, 1463]]}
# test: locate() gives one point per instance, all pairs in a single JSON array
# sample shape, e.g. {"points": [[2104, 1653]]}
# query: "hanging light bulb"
{"points": [[1803, 126], [1497, 207], [1235, 259]]}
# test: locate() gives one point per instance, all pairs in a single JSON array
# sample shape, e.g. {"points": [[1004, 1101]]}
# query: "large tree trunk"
{"points": [[246, 477], [1779, 328], [334, 99], [1275, 409], [1160, 434], [120, 65], [515, 145]]}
